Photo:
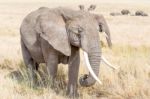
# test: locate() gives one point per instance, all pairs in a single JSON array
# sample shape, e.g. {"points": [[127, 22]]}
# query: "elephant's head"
{"points": [[78, 28], [101, 22], [83, 31]]}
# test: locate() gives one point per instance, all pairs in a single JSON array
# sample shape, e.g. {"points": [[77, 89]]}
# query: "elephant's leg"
{"points": [[30, 63], [52, 65], [50, 57], [74, 62]]}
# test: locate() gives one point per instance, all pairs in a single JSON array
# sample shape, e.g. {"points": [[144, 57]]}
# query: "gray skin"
{"points": [[54, 36]]}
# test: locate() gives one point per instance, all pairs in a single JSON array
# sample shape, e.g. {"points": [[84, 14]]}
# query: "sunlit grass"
{"points": [[131, 80], [20, 83]]}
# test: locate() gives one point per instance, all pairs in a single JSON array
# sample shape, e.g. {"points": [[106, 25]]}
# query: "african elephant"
{"points": [[54, 36]]}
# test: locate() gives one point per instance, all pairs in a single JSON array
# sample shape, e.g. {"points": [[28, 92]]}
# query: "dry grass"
{"points": [[131, 51], [131, 80]]}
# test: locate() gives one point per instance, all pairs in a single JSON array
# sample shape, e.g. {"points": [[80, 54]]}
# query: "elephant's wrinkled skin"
{"points": [[54, 36]]}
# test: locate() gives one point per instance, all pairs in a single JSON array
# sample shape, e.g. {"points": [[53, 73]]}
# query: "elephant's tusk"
{"points": [[108, 63], [89, 67]]}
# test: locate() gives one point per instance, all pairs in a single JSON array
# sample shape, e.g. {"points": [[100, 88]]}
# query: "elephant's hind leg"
{"points": [[31, 65]]}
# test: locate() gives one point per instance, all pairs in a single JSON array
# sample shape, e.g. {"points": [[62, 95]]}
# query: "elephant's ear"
{"points": [[52, 29], [103, 27]]}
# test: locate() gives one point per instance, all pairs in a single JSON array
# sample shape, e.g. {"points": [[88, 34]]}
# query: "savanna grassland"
{"points": [[130, 52]]}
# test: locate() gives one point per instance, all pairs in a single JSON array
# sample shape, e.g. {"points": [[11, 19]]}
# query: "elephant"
{"points": [[140, 13], [55, 35], [125, 12]]}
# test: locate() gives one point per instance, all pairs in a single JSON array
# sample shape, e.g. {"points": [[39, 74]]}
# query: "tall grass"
{"points": [[130, 81]]}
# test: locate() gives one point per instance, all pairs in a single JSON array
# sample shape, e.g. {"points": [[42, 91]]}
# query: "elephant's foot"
{"points": [[72, 92]]}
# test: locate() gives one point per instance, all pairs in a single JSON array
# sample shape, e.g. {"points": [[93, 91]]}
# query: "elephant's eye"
{"points": [[100, 28]]}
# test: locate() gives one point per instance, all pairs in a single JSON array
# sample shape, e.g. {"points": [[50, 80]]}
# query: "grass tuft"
{"points": [[6, 64]]}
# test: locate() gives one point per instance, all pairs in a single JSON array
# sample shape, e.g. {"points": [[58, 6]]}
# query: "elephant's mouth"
{"points": [[76, 43]]}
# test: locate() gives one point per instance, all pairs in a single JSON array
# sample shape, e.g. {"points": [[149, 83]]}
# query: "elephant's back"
{"points": [[29, 34], [27, 28]]}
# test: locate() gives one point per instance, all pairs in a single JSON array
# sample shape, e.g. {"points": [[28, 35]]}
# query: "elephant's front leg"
{"points": [[52, 65], [74, 62], [51, 59]]}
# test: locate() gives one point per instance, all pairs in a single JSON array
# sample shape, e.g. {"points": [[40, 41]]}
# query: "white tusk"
{"points": [[89, 67], [108, 63]]}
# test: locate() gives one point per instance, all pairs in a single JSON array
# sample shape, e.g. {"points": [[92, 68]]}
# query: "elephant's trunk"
{"points": [[94, 57]]}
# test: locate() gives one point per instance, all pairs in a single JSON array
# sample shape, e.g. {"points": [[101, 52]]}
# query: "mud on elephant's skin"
{"points": [[57, 34]]}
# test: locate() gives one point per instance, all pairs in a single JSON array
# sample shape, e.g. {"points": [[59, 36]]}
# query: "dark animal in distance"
{"points": [[125, 12], [140, 13]]}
